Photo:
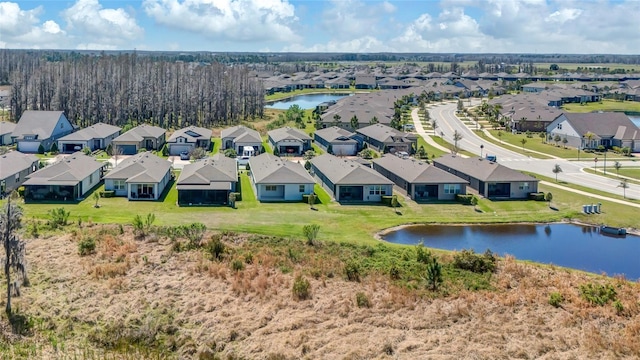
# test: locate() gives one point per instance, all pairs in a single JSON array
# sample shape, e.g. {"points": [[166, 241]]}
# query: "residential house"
{"points": [[207, 181], [189, 138], [239, 136], [277, 179], [349, 181], [387, 139], [37, 128], [420, 180], [6, 129], [143, 176], [336, 141], [607, 129], [68, 179], [289, 141], [141, 137], [14, 168], [366, 82], [489, 178], [95, 137]]}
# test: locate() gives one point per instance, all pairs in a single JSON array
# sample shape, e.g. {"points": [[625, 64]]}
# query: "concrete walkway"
{"points": [[422, 132]]}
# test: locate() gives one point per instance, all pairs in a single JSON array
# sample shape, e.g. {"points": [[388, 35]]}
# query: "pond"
{"points": [[309, 101], [567, 245]]}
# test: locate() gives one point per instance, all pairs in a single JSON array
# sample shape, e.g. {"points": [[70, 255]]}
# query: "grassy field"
{"points": [[450, 146], [574, 66], [634, 174], [605, 105], [535, 143], [431, 151]]}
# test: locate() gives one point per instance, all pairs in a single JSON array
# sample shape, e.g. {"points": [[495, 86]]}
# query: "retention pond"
{"points": [[568, 245]]}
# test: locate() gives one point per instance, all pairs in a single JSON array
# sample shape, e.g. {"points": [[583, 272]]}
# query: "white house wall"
{"points": [[89, 182], [574, 139]]}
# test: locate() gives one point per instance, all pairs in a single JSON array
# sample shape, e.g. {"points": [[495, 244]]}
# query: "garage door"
{"points": [[28, 147], [127, 149], [69, 148], [175, 150], [344, 150]]}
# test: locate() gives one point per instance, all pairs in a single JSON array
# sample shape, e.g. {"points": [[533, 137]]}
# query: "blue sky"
{"points": [[460, 26]]}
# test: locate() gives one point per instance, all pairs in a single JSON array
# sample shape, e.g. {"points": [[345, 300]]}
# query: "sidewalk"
{"points": [[595, 196], [420, 130]]}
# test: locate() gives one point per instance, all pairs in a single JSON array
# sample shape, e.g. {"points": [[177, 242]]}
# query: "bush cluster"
{"points": [[597, 294], [477, 263], [464, 199], [301, 288]]}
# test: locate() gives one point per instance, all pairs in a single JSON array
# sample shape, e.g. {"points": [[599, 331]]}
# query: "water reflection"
{"points": [[579, 247]]}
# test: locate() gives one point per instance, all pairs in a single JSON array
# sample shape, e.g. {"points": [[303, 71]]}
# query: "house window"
{"points": [[559, 126], [118, 185], [524, 186], [452, 189], [17, 177], [270, 188], [302, 188], [90, 178], [377, 190]]}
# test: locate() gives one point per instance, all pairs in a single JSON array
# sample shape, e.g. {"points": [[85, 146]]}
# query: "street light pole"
{"points": [[481, 148]]}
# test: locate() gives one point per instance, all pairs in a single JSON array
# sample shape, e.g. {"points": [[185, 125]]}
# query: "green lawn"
{"points": [[605, 105], [450, 146], [611, 173], [354, 223], [535, 143], [431, 151]]}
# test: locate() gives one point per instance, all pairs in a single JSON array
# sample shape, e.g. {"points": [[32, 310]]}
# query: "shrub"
{"points": [[238, 196], [617, 305], [194, 233], [21, 190], [423, 255], [352, 270], [477, 263], [311, 233], [165, 150], [54, 148], [301, 288], [362, 300], [597, 294], [230, 153], [539, 196], [556, 299], [87, 246], [305, 199], [464, 199], [41, 149], [237, 265], [394, 272], [58, 217], [387, 199], [434, 274], [107, 194], [216, 248]]}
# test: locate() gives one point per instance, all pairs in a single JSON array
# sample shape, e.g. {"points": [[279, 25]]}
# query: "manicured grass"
{"points": [[450, 146], [317, 149], [535, 143], [216, 143], [611, 173], [431, 151], [604, 105]]}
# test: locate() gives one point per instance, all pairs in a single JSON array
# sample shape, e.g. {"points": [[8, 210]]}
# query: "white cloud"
{"points": [[22, 29], [94, 25], [235, 20], [365, 44], [352, 19]]}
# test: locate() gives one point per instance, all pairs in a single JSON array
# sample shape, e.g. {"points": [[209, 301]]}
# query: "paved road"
{"points": [[571, 170]]}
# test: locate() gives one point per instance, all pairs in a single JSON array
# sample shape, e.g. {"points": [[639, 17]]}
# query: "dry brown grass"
{"points": [[198, 307]]}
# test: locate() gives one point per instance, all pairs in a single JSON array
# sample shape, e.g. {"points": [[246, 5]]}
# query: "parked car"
{"points": [[184, 155]]}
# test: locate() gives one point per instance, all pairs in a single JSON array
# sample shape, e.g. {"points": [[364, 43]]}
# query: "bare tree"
{"points": [[10, 222], [456, 137]]}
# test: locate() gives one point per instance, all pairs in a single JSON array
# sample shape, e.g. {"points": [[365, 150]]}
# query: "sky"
{"points": [[358, 26]]}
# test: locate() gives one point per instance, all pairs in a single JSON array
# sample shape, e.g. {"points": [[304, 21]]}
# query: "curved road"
{"points": [[571, 170]]}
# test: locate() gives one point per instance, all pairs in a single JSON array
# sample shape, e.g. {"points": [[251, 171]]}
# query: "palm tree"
{"points": [[556, 170], [624, 184], [523, 141], [456, 137], [617, 165], [589, 136]]}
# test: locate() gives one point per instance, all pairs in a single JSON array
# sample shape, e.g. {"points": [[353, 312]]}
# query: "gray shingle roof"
{"points": [[217, 168], [288, 133], [140, 132], [142, 167], [603, 124], [70, 170], [6, 127], [416, 171], [40, 123], [384, 133], [336, 134], [269, 169], [347, 172], [95, 131], [13, 162], [241, 134], [192, 134], [482, 169]]}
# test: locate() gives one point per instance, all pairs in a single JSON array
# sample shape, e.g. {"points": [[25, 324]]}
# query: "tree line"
{"points": [[129, 89]]}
